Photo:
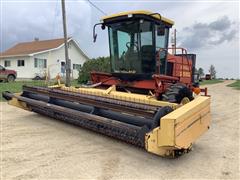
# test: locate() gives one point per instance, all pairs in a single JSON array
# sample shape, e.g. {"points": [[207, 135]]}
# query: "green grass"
{"points": [[235, 85], [75, 82], [17, 85], [212, 81]]}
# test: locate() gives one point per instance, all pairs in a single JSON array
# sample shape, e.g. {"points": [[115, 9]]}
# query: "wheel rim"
{"points": [[10, 79], [185, 100]]}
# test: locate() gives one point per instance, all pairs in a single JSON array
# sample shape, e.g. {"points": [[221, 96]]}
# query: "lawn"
{"points": [[212, 81], [17, 85], [235, 85]]}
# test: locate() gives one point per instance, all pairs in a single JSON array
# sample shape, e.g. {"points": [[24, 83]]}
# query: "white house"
{"points": [[40, 58]]}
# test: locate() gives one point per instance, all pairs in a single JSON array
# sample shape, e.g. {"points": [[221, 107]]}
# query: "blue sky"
{"points": [[208, 28]]}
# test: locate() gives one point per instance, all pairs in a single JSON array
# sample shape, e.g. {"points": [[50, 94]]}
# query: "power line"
{"points": [[96, 7], [54, 20]]}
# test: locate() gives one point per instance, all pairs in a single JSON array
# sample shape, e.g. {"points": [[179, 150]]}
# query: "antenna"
{"points": [[174, 41]]}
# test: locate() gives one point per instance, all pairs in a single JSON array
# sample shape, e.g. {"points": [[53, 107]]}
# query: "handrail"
{"points": [[184, 52]]}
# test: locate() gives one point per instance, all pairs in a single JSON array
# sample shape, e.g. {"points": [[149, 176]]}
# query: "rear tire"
{"points": [[176, 92], [10, 78]]}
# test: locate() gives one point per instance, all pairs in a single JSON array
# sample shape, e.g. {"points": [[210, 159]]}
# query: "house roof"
{"points": [[35, 47]]}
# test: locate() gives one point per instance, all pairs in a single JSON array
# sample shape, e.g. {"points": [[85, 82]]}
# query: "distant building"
{"points": [[36, 58]]}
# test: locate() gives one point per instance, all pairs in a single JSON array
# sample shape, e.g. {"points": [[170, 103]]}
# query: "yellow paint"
{"points": [[189, 109], [124, 96], [19, 104], [166, 133], [151, 145], [169, 21], [56, 86], [180, 128], [185, 100], [191, 134]]}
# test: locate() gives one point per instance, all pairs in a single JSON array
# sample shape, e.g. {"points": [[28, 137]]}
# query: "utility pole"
{"points": [[67, 65]]}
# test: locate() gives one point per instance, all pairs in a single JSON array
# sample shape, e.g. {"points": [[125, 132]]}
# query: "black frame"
{"points": [[20, 62], [139, 39], [109, 21], [7, 65]]}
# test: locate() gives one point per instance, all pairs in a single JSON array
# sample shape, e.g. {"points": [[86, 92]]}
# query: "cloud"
{"points": [[20, 22], [201, 35], [23, 21]]}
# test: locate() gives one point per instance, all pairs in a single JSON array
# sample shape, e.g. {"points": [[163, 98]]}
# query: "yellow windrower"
{"points": [[159, 126], [180, 129], [177, 130]]}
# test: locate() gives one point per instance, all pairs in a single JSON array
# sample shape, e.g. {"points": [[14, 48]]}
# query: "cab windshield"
{"points": [[133, 47]]}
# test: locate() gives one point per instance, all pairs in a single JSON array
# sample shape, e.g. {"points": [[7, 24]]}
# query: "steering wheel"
{"points": [[134, 44], [161, 53]]}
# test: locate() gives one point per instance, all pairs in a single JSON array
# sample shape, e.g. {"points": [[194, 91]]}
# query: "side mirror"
{"points": [[160, 30], [103, 26], [94, 31], [94, 37], [4, 69]]}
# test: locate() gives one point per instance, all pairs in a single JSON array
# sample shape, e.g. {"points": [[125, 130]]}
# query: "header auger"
{"points": [[147, 99]]}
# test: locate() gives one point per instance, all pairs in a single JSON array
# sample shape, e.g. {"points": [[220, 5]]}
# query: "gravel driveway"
{"points": [[37, 147]]}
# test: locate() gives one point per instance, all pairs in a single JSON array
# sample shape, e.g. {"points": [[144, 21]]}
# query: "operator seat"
{"points": [[148, 58], [132, 62]]}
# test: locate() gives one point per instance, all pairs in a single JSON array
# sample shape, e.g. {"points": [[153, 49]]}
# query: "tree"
{"points": [[212, 71], [201, 72], [101, 64]]}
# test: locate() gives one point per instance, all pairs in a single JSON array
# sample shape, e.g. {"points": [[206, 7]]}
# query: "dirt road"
{"points": [[38, 147]]}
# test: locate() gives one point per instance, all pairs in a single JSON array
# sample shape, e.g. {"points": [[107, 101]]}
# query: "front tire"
{"points": [[176, 93], [10, 78]]}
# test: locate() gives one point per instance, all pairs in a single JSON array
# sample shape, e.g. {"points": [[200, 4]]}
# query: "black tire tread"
{"points": [[176, 92], [10, 75]]}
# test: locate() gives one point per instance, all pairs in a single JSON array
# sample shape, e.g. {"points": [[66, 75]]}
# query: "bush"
{"points": [[101, 64]]}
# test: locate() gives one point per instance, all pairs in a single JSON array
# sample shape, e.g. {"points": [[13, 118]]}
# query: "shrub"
{"points": [[101, 64]]}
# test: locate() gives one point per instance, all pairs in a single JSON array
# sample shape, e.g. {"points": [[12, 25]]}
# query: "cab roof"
{"points": [[140, 12]]}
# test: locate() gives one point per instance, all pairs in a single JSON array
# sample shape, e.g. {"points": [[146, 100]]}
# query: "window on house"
{"points": [[7, 63], [40, 63], [20, 62], [76, 66]]}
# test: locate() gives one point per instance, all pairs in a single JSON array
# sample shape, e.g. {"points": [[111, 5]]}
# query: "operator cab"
{"points": [[138, 42]]}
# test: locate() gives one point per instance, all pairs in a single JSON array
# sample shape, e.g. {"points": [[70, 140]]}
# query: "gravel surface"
{"points": [[37, 147]]}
